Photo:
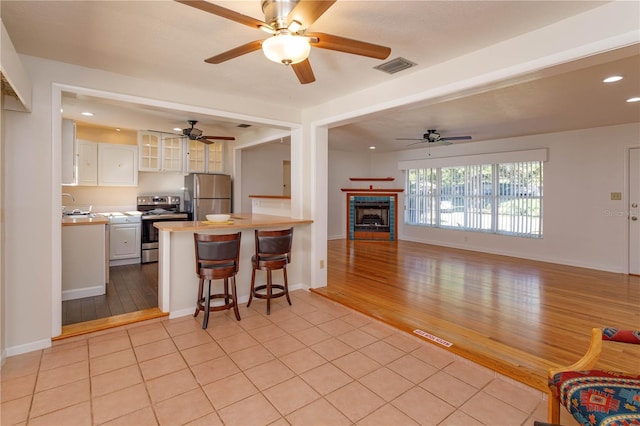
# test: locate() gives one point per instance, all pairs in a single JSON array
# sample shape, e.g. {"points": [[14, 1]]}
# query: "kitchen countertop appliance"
{"points": [[207, 194], [156, 208]]}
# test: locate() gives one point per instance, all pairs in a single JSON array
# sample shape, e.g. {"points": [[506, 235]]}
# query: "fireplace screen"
{"points": [[372, 215]]}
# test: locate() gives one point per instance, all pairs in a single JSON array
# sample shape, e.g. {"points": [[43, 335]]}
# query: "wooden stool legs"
{"points": [[204, 300], [269, 286]]}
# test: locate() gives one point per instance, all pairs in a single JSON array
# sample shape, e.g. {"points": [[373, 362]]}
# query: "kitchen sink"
{"points": [[77, 212], [79, 216]]}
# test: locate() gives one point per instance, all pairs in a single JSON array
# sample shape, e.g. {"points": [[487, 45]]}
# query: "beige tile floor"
{"points": [[313, 363]]}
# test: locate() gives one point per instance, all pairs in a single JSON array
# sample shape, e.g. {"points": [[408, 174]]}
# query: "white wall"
{"points": [[262, 171], [584, 167], [342, 166]]}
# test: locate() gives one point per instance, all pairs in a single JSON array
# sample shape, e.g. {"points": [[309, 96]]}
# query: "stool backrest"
{"points": [[217, 250], [273, 245]]}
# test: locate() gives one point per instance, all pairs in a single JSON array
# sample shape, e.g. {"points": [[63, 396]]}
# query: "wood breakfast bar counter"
{"points": [[177, 279]]}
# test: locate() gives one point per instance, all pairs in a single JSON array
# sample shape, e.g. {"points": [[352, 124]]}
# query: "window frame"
{"points": [[507, 182]]}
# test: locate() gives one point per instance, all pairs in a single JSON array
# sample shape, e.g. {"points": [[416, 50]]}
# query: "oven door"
{"points": [[150, 238]]}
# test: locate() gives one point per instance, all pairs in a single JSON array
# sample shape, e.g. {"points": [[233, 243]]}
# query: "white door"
{"points": [[634, 211]]}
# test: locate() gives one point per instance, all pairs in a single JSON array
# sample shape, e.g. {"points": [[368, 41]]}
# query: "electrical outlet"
{"points": [[322, 264], [616, 195]]}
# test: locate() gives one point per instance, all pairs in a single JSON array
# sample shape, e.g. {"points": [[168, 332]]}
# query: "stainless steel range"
{"points": [[157, 208]]}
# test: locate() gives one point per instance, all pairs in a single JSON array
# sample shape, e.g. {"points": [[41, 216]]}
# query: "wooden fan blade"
{"points": [[456, 138], [222, 138], [347, 45], [304, 72], [234, 53], [308, 11], [224, 13]]}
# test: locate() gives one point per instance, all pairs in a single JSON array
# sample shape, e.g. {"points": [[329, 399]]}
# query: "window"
{"points": [[501, 198]]}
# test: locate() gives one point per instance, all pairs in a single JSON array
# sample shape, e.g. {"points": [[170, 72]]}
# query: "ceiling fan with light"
{"points": [[433, 137], [196, 134], [287, 21]]}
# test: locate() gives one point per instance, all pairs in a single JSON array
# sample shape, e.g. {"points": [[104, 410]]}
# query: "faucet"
{"points": [[69, 195]]}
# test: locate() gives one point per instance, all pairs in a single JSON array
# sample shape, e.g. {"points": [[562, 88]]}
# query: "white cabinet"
{"points": [[83, 261], [104, 164], [118, 165], [149, 149], [124, 241], [69, 149], [204, 158], [172, 153], [214, 158], [87, 163], [160, 152], [196, 157]]}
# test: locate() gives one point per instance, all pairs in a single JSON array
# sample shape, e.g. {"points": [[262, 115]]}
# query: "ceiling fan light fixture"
{"points": [[295, 26], [287, 49]]}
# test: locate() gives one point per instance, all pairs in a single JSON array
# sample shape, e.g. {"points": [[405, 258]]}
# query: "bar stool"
{"points": [[217, 257], [273, 252]]}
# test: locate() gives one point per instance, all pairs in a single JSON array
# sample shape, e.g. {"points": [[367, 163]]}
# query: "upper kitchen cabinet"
{"points": [[149, 148], [172, 153], [204, 158], [160, 152], [118, 165], [196, 157], [87, 161], [214, 158], [69, 149]]}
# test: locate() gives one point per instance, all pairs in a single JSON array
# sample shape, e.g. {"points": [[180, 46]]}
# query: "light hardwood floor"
{"points": [[516, 316]]}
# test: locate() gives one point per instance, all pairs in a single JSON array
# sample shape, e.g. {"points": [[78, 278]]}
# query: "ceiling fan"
{"points": [[290, 43], [196, 134], [433, 137]]}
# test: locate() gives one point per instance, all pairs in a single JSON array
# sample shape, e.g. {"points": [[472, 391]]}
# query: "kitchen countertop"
{"points": [[238, 221], [95, 220]]}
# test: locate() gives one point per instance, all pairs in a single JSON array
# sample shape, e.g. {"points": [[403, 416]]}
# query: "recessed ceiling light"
{"points": [[372, 147], [634, 99], [117, 130], [177, 129], [88, 114], [612, 79]]}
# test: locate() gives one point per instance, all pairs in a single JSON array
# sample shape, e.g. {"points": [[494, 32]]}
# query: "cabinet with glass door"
{"points": [[204, 158], [160, 152]]}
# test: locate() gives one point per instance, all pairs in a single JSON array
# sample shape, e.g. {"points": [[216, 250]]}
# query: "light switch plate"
{"points": [[616, 195]]}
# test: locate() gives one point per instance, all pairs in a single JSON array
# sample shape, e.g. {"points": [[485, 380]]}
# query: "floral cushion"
{"points": [[602, 398]]}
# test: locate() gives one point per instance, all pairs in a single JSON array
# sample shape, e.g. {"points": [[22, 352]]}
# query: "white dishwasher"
{"points": [[124, 239]]}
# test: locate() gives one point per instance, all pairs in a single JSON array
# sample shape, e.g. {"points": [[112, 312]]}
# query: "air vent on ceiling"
{"points": [[395, 65], [244, 126]]}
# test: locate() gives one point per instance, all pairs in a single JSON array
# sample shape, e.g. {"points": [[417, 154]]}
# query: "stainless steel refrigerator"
{"points": [[207, 194]]}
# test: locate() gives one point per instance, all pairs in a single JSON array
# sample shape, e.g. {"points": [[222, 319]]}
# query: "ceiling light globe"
{"points": [[286, 48]]}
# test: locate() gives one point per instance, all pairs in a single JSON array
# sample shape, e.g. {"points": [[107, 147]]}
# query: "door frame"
{"points": [[627, 207]]}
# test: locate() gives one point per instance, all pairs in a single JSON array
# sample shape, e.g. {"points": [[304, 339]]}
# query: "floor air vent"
{"points": [[395, 65]]}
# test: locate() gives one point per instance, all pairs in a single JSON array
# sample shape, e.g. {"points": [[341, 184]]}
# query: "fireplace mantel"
{"points": [[369, 190]]}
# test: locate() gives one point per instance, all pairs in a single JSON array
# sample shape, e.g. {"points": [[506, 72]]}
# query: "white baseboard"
{"points": [[120, 262], [28, 347], [83, 292]]}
